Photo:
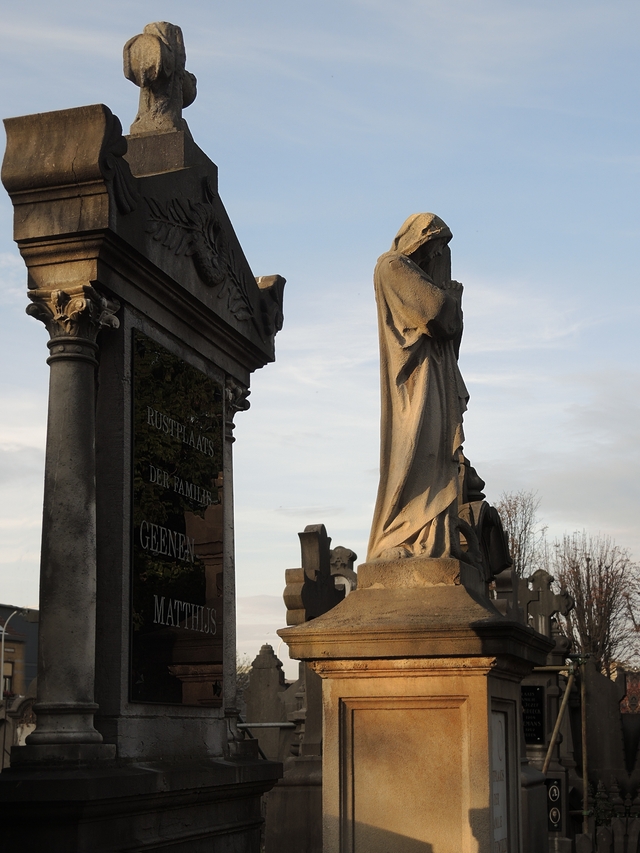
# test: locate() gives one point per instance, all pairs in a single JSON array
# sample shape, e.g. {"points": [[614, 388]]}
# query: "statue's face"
{"points": [[427, 251], [435, 247]]}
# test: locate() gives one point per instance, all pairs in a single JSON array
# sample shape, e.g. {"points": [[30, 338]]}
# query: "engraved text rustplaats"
{"points": [[176, 608]]}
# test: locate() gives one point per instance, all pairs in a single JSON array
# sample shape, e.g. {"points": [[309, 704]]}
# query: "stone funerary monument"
{"points": [[156, 323], [420, 666]]}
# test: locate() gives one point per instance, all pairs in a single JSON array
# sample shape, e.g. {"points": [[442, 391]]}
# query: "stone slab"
{"points": [[58, 753], [408, 761], [141, 807], [419, 572], [438, 621]]}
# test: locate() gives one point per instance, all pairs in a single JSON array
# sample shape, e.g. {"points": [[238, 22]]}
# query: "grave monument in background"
{"points": [[420, 667], [156, 323]]}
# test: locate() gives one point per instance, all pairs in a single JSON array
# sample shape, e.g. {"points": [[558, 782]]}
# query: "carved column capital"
{"points": [[78, 311], [235, 396]]}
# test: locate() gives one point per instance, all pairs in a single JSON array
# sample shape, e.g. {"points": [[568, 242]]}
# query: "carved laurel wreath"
{"points": [[193, 229]]}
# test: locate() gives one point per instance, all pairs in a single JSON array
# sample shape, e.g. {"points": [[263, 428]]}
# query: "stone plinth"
{"points": [[155, 807], [421, 701]]}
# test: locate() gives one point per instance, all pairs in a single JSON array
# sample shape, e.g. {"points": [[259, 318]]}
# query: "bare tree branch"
{"points": [[527, 537], [605, 585]]}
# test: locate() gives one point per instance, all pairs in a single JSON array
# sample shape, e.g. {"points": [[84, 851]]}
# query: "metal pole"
{"points": [[585, 776], [4, 704], [556, 728]]}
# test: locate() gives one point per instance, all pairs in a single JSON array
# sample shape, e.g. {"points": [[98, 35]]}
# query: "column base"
{"points": [[64, 723]]}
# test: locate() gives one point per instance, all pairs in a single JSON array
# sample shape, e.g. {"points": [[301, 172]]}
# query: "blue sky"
{"points": [[331, 122]]}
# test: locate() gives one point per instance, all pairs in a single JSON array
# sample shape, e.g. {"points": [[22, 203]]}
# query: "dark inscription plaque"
{"points": [[176, 594], [533, 713]]}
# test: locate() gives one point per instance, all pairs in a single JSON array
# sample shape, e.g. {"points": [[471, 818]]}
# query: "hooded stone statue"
{"points": [[423, 394]]}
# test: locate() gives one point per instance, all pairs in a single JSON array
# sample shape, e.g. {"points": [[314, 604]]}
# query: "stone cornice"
{"points": [[163, 240], [415, 622], [105, 260], [61, 148]]}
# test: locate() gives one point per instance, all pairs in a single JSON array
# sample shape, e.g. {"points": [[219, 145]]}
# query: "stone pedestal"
{"points": [[421, 679]]}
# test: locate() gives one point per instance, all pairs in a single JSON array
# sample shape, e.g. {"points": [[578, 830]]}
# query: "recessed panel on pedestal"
{"points": [[404, 774], [499, 782], [176, 586]]}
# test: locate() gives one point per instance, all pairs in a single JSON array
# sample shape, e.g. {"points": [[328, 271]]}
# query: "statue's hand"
{"points": [[455, 288]]}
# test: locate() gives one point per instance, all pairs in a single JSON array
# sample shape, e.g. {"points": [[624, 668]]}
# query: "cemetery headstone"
{"points": [[541, 694], [156, 323]]}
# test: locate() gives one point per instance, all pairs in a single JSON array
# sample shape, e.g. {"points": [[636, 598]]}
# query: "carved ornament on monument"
{"points": [[115, 170], [76, 312], [155, 61], [236, 396], [194, 229], [324, 580]]}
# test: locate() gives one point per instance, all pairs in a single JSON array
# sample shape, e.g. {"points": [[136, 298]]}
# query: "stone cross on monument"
{"points": [[540, 602], [324, 579], [155, 61]]}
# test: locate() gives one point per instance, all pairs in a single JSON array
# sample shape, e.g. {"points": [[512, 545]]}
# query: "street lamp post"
{"points": [[4, 704]]}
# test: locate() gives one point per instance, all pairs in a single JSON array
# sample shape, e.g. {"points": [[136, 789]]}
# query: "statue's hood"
{"points": [[418, 229]]}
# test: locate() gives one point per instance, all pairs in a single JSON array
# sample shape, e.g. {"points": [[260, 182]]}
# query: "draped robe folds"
{"points": [[423, 400]]}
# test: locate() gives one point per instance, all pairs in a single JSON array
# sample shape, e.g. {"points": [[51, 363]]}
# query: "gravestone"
{"points": [[156, 323], [420, 670], [293, 712], [542, 693], [325, 578]]}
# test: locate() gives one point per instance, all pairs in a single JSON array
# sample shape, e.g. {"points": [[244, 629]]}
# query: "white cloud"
{"points": [[13, 276], [90, 41]]}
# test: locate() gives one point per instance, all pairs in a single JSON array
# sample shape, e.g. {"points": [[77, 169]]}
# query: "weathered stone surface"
{"points": [[155, 61], [180, 807], [410, 673], [263, 698], [415, 731], [160, 238], [422, 393], [422, 621], [294, 808]]}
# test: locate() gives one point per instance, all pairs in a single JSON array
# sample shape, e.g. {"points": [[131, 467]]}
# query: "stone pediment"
{"points": [[71, 174]]}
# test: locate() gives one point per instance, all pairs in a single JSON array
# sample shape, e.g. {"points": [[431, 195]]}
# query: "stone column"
{"points": [[235, 401], [66, 662]]}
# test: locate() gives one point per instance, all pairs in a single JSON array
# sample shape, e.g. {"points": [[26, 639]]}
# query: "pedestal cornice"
{"points": [[431, 615]]}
